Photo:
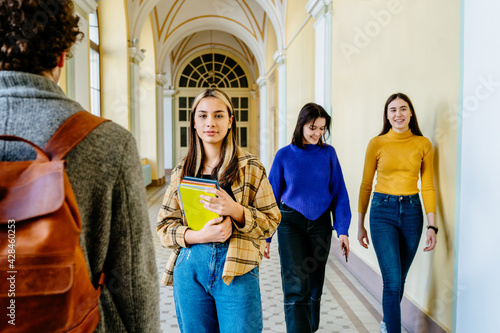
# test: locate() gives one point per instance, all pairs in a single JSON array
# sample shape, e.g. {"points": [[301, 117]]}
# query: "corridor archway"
{"points": [[218, 70]]}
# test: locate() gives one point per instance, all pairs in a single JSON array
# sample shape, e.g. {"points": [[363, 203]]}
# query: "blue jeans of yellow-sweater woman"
{"points": [[396, 226]]}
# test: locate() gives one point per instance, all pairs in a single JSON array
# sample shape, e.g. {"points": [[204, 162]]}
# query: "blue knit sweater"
{"points": [[310, 181]]}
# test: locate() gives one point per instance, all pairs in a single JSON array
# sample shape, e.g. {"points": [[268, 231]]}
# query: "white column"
{"points": [[135, 58], [77, 67], [161, 81], [264, 135], [280, 58], [254, 149], [168, 127], [477, 267], [321, 11]]}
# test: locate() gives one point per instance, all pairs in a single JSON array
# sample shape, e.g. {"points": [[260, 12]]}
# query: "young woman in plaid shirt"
{"points": [[214, 271]]}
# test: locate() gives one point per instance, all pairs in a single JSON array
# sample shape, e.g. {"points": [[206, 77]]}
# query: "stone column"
{"points": [[321, 11], [280, 58], [253, 129], [168, 127], [161, 81], [135, 57], [264, 134]]}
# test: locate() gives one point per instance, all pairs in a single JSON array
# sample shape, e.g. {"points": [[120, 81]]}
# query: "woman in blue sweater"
{"points": [[308, 184]]}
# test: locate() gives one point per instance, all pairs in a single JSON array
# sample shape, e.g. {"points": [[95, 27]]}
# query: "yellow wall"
{"points": [[271, 77], [271, 46], [299, 63], [412, 47], [296, 14], [147, 99], [114, 61], [62, 80]]}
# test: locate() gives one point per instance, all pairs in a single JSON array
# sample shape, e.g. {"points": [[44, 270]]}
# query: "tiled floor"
{"points": [[346, 306]]}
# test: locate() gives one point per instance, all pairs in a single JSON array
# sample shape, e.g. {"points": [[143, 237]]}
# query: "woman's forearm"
{"points": [[361, 220], [431, 219]]}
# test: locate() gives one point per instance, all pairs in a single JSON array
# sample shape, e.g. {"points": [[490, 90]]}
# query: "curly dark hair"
{"points": [[34, 33]]}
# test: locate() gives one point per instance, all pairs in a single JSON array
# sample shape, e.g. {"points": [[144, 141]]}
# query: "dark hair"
{"points": [[310, 111], [227, 169], [413, 120], [34, 33]]}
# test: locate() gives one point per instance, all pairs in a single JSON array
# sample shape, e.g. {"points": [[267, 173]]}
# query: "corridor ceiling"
{"points": [[184, 27]]}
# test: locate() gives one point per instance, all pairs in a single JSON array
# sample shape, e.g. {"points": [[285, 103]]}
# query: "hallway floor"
{"points": [[346, 306]]}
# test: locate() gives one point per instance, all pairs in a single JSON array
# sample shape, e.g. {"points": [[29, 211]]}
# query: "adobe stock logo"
{"points": [[482, 92], [486, 87], [364, 36]]}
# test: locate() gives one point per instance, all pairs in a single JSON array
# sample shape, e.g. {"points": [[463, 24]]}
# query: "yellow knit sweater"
{"points": [[398, 158]]}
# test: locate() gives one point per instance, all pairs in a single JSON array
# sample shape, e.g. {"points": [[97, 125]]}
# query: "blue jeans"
{"points": [[204, 303], [303, 248], [396, 226]]}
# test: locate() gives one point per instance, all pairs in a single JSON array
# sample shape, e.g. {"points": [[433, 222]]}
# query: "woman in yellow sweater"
{"points": [[398, 154]]}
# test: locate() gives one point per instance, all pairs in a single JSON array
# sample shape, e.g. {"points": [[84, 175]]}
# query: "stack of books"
{"points": [[190, 190]]}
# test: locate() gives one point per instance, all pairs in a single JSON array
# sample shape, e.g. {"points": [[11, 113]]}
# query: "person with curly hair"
{"points": [[104, 169], [35, 35]]}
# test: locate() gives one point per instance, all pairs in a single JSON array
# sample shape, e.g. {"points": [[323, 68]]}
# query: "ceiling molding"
{"points": [[88, 6], [138, 14], [317, 8], [247, 20], [211, 23]]}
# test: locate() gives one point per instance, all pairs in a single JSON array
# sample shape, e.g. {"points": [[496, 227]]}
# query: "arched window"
{"points": [[213, 70], [95, 74]]}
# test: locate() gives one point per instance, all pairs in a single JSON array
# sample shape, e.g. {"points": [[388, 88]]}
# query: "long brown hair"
{"points": [[226, 171], [413, 120], [310, 111]]}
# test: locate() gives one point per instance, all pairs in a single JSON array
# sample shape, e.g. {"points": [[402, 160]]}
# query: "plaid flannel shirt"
{"points": [[246, 246]]}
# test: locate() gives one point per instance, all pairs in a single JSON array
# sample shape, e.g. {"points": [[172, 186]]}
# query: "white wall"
{"points": [[477, 267]]}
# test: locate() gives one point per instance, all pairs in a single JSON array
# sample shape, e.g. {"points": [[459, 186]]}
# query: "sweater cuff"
{"points": [[342, 231]]}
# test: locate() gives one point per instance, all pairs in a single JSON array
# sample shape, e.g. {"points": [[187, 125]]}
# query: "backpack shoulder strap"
{"points": [[70, 133]]}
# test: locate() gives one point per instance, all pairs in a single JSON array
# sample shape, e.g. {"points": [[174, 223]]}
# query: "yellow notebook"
{"points": [[196, 215]]}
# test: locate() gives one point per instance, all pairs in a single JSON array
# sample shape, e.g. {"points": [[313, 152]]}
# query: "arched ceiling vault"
{"points": [[212, 41], [175, 21]]}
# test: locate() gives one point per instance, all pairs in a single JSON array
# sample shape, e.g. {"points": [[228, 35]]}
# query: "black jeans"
{"points": [[304, 246]]}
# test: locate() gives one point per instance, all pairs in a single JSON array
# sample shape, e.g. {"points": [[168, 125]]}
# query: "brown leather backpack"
{"points": [[45, 284]]}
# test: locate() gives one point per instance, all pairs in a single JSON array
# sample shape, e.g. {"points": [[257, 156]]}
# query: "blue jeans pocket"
{"points": [[288, 213], [182, 254], [254, 272], [379, 200], [415, 202], [284, 208]]}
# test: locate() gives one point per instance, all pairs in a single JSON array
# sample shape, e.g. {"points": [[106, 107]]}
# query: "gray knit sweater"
{"points": [[105, 173]]}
